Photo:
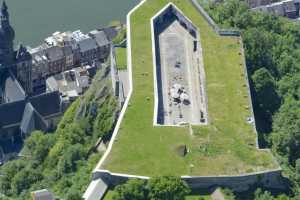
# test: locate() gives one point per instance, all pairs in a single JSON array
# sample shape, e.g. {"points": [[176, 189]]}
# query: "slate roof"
{"points": [[87, 44], [32, 120], [42, 195], [289, 6], [47, 104], [73, 44], [95, 190], [54, 53], [29, 113], [67, 50], [92, 71], [100, 38], [11, 113], [110, 32], [22, 54], [52, 83], [11, 88]]}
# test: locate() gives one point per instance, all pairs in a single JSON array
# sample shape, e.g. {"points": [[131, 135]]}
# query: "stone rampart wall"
{"points": [[271, 179], [240, 183]]}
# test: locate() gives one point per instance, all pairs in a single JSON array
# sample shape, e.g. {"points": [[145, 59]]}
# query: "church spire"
{"points": [[4, 10], [4, 15], [7, 35], [4, 6]]}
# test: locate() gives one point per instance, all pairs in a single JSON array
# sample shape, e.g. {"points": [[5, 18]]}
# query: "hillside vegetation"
{"points": [[63, 161]]}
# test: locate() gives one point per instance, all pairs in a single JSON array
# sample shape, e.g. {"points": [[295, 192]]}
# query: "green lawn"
{"points": [[225, 146], [120, 37], [121, 58], [109, 195]]}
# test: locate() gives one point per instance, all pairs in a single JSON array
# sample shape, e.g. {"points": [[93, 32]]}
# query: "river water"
{"points": [[34, 20]]}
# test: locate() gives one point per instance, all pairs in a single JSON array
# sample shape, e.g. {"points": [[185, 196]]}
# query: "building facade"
{"points": [[65, 51]]}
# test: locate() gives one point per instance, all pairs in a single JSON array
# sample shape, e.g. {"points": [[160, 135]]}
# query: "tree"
{"points": [[8, 171], [24, 179], [266, 96], [167, 188], [73, 195], [134, 189], [258, 45], [228, 194], [68, 161], [286, 130], [289, 86], [287, 64], [260, 195], [38, 145]]}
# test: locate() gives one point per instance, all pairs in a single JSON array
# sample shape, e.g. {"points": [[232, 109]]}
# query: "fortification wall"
{"points": [[240, 183], [271, 179], [183, 20], [267, 179], [211, 22]]}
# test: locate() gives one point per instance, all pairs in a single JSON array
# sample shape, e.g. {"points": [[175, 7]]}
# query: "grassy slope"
{"points": [[226, 146], [121, 58]]}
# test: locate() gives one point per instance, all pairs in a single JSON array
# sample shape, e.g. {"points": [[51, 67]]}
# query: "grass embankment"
{"points": [[120, 37], [121, 58], [225, 146]]}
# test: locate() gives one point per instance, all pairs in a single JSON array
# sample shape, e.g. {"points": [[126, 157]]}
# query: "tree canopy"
{"points": [[158, 188]]}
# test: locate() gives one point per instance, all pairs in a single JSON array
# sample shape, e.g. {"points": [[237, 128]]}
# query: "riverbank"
{"points": [[84, 15]]}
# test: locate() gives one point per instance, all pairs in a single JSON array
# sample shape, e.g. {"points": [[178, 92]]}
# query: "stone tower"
{"points": [[23, 66], [7, 36]]}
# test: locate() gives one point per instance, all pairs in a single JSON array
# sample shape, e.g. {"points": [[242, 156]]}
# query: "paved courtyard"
{"points": [[182, 77]]}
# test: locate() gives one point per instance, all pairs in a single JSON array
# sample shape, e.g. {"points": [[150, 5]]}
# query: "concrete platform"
{"points": [[182, 75]]}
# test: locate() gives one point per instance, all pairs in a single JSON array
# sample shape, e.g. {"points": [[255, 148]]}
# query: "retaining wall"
{"points": [[210, 21], [240, 183]]}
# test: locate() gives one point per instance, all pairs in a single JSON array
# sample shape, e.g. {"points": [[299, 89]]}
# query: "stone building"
{"points": [[65, 51], [24, 68], [286, 8], [68, 53], [56, 59], [103, 44], [88, 50], [39, 69]]}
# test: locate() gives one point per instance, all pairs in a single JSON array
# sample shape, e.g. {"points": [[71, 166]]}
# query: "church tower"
{"points": [[23, 67], [7, 36]]}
